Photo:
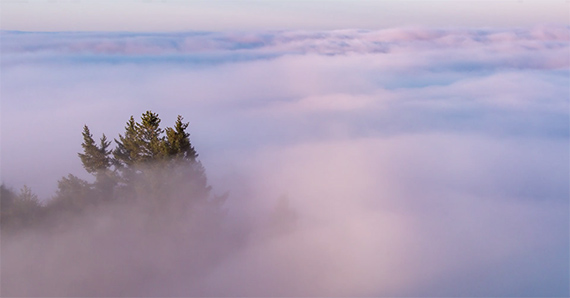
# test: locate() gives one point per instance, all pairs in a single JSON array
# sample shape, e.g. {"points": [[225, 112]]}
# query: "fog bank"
{"points": [[398, 162]]}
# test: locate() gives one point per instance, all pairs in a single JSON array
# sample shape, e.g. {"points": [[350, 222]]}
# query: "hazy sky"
{"points": [[423, 144], [215, 15]]}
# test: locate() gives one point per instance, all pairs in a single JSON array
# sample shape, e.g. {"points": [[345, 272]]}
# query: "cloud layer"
{"points": [[419, 162]]}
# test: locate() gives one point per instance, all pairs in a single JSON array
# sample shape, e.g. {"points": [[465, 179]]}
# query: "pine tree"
{"points": [[97, 160], [128, 146], [7, 201], [141, 143], [19, 210], [178, 142], [160, 164], [155, 166], [151, 141], [158, 168], [73, 194]]}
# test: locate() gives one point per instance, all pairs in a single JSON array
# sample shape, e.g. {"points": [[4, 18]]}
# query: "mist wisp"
{"points": [[307, 223]]}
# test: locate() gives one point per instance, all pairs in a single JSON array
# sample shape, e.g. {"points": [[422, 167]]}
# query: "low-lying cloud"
{"points": [[407, 161]]}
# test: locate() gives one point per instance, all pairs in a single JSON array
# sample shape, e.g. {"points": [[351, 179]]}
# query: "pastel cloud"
{"points": [[420, 161], [381, 218]]}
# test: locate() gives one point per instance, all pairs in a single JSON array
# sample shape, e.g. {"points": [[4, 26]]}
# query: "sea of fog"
{"points": [[416, 161]]}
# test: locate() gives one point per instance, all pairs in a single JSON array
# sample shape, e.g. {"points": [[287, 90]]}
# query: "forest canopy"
{"points": [[156, 169]]}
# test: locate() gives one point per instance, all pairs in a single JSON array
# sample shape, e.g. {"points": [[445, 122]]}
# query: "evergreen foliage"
{"points": [[73, 194], [95, 159], [19, 210], [7, 200], [158, 163], [157, 169], [177, 142]]}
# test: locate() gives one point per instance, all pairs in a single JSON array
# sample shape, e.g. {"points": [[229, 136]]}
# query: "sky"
{"points": [[216, 15], [423, 145]]}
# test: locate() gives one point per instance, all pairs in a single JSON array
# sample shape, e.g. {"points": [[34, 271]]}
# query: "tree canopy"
{"points": [[156, 168]]}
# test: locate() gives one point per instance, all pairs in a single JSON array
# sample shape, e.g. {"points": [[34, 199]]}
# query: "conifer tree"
{"points": [[178, 142], [7, 200], [73, 194], [159, 163], [128, 146], [151, 141], [19, 210], [141, 143], [157, 167], [97, 160]]}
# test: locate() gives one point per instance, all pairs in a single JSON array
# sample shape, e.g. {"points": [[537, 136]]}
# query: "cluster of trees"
{"points": [[153, 168]]}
